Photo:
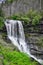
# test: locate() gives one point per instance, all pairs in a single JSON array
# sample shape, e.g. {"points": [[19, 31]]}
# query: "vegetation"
{"points": [[32, 17], [1, 22], [9, 1], [15, 57]]}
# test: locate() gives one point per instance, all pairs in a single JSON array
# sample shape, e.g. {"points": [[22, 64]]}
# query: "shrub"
{"points": [[15, 17], [31, 14], [34, 17], [21, 18], [25, 19], [36, 20]]}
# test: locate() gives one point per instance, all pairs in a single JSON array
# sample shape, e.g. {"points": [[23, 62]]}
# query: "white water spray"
{"points": [[16, 35]]}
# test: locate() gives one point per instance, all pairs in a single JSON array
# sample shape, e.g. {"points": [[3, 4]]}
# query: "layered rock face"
{"points": [[34, 39], [20, 6]]}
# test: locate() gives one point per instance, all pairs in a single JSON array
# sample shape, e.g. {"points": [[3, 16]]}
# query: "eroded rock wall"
{"points": [[21, 6], [34, 39]]}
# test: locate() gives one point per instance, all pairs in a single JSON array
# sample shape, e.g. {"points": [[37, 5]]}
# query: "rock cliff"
{"points": [[20, 6]]}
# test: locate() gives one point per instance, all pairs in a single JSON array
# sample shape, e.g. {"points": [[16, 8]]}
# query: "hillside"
{"points": [[9, 55], [21, 32]]}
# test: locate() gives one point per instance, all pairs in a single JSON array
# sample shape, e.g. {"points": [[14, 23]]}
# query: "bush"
{"points": [[36, 20], [21, 18], [34, 17], [15, 17], [31, 14]]}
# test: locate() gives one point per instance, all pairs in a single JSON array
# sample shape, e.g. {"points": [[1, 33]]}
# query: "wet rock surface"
{"points": [[34, 40]]}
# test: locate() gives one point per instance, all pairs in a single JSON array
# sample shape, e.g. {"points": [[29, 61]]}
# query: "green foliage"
{"points": [[25, 19], [36, 20], [21, 18], [15, 17], [9, 1], [15, 57], [1, 22], [33, 16]]}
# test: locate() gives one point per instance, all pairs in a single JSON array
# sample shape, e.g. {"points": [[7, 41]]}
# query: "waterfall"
{"points": [[15, 33]]}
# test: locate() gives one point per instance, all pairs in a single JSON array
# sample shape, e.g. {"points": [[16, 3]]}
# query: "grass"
{"points": [[14, 57]]}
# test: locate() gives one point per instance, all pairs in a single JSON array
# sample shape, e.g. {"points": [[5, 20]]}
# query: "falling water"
{"points": [[16, 35]]}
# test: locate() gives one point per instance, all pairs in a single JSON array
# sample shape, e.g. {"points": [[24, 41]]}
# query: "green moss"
{"points": [[15, 57]]}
